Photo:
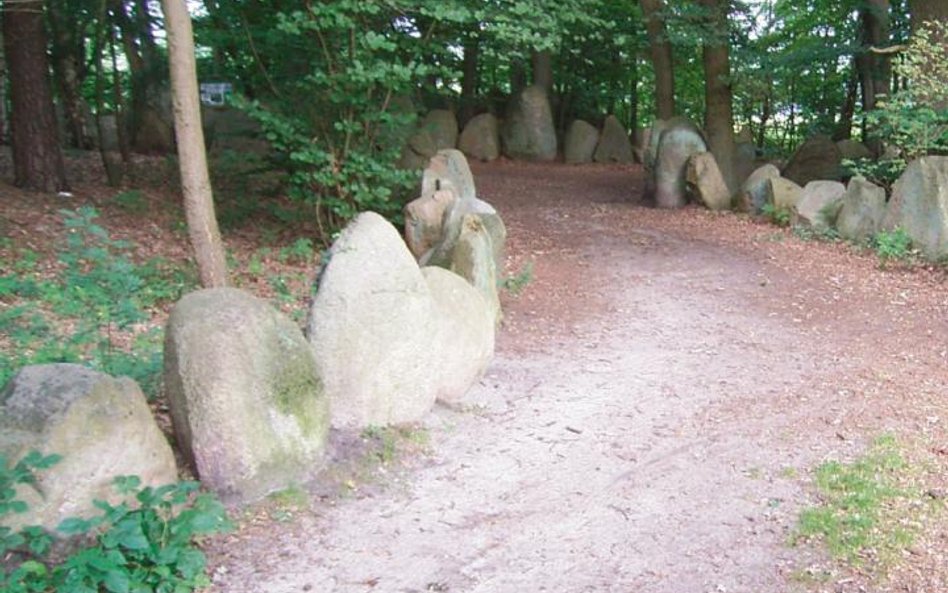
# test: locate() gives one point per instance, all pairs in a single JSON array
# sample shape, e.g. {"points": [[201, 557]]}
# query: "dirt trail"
{"points": [[659, 391]]}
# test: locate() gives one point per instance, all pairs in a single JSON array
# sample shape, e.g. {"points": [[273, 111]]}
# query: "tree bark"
{"points": [[37, 156], [195, 182], [661, 53], [469, 79], [874, 69], [928, 10], [68, 51], [719, 118], [542, 63], [844, 129]]}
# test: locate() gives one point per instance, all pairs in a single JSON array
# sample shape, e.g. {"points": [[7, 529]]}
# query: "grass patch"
{"points": [[869, 509]]}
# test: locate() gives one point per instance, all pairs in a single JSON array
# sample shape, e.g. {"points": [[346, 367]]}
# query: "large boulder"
{"points": [[423, 221], [650, 142], [249, 409], [101, 426], [820, 204], [680, 141], [452, 223], [481, 138], [580, 142], [753, 194], [464, 341], [371, 325], [816, 159], [614, 145], [448, 170], [853, 149], [704, 177], [919, 205], [745, 159], [528, 131], [862, 210], [473, 259], [782, 193], [442, 127]]}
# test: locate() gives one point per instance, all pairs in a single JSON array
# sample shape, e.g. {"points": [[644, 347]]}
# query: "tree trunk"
{"points": [[195, 182], [68, 52], [719, 119], [844, 129], [3, 95], [874, 68], [518, 77], [661, 52], [634, 99], [37, 156], [542, 63], [469, 80], [928, 10]]}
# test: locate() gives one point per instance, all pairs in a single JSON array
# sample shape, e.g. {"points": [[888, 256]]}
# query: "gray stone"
{"points": [[423, 221], [919, 205], [481, 138], [782, 193], [451, 225], [371, 325], [745, 161], [679, 142], [580, 142], [448, 169], [101, 426], [528, 132], [464, 343], [651, 140], [816, 159], [853, 149], [614, 145], [442, 126], [820, 204], [704, 177], [862, 210], [753, 196], [473, 260], [247, 402]]}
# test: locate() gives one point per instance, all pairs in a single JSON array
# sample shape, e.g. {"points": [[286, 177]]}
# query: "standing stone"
{"points": [[614, 145], [753, 194], [862, 211], [247, 402], [528, 131], [745, 159], [481, 138], [473, 260], [817, 159], [708, 185], [782, 193], [919, 205], [442, 126], [464, 343], [423, 221], [453, 223], [448, 170], [820, 204], [650, 146], [371, 325], [679, 142], [580, 143], [101, 426]]}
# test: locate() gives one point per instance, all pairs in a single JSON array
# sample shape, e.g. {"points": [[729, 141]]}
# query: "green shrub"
{"points": [[145, 544], [778, 216], [892, 245]]}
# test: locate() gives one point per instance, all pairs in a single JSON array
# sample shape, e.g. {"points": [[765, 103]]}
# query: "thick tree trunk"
{"points": [[192, 160], [844, 128], [661, 52], [719, 119], [542, 63], [37, 156], [928, 10], [874, 69], [469, 80]]}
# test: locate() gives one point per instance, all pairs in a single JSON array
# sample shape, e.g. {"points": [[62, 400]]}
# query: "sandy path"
{"points": [[656, 395]]}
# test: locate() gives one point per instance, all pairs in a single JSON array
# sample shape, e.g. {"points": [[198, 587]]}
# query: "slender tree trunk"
{"points": [[661, 52], [469, 79], [195, 182], [765, 113], [542, 62], [844, 129], [68, 51], [719, 119], [37, 156], [634, 97]]}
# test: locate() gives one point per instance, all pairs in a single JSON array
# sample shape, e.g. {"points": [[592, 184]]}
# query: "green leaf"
{"points": [[116, 581]]}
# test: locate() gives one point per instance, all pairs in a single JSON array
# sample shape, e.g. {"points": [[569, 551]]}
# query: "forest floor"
{"points": [[666, 387]]}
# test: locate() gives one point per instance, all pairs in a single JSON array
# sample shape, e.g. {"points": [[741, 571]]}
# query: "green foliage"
{"points": [[300, 251], [859, 511], [132, 201], [517, 282], [145, 544], [778, 216], [96, 301], [892, 245], [882, 172]]}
